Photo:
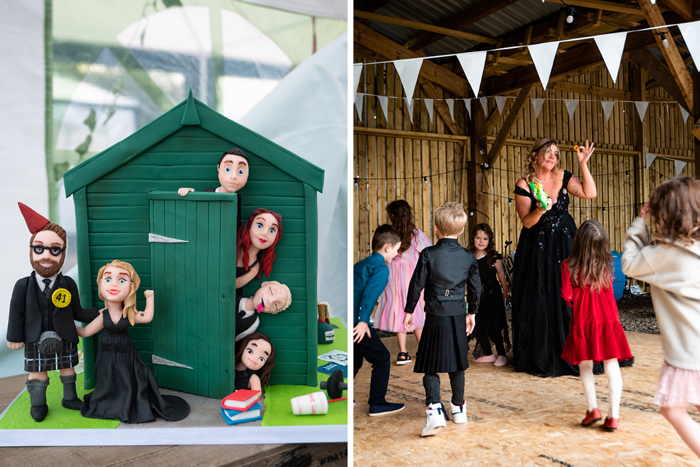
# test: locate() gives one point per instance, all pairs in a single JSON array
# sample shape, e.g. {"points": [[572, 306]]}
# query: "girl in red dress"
{"points": [[595, 332]]}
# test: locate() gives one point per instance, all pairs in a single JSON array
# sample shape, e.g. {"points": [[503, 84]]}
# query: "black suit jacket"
{"points": [[443, 270], [27, 305]]}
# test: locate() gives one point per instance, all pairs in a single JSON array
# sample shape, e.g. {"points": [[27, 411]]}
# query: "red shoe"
{"points": [[592, 417], [611, 424]]}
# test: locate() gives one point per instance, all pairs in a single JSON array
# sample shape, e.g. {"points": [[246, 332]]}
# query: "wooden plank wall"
{"points": [[384, 159]]}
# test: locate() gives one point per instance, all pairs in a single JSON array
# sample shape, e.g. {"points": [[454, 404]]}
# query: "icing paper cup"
{"points": [[310, 404]]}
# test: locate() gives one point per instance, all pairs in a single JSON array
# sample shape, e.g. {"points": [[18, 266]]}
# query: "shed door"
{"points": [[193, 268]]}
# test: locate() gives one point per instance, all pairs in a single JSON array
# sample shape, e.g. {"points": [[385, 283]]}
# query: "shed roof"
{"points": [[191, 112]]}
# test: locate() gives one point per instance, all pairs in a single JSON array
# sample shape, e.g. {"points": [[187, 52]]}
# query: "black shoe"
{"points": [[39, 413], [385, 409], [403, 358], [74, 404]]}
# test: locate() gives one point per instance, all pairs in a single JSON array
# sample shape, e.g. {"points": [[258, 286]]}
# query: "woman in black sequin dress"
{"points": [[540, 315]]}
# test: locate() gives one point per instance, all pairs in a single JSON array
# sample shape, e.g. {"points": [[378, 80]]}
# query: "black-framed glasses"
{"points": [[54, 250]]}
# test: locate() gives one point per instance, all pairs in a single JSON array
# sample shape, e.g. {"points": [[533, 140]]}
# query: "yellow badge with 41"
{"points": [[61, 298]]}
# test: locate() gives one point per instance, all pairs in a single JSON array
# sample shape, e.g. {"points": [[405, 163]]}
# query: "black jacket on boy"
{"points": [[443, 270]]}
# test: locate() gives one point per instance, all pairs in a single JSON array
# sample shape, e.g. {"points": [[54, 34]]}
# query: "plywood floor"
{"points": [[517, 419]]}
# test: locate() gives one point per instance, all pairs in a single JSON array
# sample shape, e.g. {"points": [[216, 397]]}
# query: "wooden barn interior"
{"points": [[429, 161], [476, 155]]}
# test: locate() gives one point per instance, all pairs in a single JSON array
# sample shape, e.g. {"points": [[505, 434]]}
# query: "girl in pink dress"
{"points": [[595, 332], [390, 314]]}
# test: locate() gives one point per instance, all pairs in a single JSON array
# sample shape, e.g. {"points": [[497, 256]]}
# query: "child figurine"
{"points": [[443, 270], [255, 359], [125, 388], [671, 269], [595, 332], [255, 246], [42, 310], [491, 323], [271, 297], [233, 169]]}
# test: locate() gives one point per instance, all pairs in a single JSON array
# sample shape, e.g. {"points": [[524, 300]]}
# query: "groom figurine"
{"points": [[42, 310]]}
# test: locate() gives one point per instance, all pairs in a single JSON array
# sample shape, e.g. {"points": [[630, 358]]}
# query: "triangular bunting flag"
{"points": [[473, 66], [607, 108], [409, 105], [357, 73], [430, 105], [537, 105], [468, 105], [485, 105], [650, 159], [384, 102], [451, 105], [501, 103], [641, 109], [543, 58], [684, 113], [691, 36], [571, 105], [679, 166], [359, 99], [408, 72], [611, 47]]}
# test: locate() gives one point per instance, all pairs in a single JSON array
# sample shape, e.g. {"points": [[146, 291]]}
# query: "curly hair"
{"points": [[264, 372], [491, 254], [401, 219], [540, 147], [590, 261], [129, 311], [675, 205]]}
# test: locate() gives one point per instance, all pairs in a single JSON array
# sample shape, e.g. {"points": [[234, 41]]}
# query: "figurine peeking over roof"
{"points": [[42, 310], [271, 297], [255, 246], [233, 171]]}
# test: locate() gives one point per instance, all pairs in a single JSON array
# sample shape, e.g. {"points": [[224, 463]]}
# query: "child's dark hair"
{"points": [[675, 206], [402, 220], [491, 253], [590, 261], [264, 372], [383, 235]]}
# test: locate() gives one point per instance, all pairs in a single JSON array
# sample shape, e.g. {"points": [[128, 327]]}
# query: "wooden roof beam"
{"points": [[462, 20], [372, 40], [601, 5], [512, 117], [659, 72], [590, 90], [424, 27], [671, 53], [682, 7]]}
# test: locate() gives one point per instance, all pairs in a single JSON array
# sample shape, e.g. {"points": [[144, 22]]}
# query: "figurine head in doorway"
{"points": [[257, 353], [118, 282], [257, 239]]}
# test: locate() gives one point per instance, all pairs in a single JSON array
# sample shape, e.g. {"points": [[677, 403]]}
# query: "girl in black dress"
{"points": [[125, 388], [491, 321]]}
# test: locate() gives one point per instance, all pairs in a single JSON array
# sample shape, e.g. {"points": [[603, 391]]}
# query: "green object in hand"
{"points": [[540, 194]]}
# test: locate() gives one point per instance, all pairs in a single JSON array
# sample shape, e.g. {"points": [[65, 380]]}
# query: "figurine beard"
{"points": [[50, 271]]}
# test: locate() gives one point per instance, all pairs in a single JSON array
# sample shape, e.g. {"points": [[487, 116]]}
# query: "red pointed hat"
{"points": [[34, 220]]}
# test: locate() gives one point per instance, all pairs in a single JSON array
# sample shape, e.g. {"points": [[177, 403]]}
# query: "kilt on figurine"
{"points": [[42, 310]]}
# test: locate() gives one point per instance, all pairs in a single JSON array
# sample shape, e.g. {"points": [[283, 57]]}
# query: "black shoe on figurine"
{"points": [[74, 404], [39, 413]]}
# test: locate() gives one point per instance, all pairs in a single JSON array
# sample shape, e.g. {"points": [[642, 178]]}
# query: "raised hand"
{"points": [[585, 152]]}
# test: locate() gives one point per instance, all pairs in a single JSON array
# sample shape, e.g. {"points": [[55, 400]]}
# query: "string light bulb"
{"points": [[664, 41], [471, 213], [653, 2], [570, 18]]}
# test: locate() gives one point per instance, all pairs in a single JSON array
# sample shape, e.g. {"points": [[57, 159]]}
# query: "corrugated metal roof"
{"points": [[436, 12]]}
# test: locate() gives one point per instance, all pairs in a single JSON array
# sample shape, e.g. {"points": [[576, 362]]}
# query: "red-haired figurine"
{"points": [[255, 246]]}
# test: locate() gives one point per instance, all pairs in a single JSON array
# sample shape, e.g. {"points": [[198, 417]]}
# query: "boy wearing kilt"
{"points": [[443, 270], [42, 310]]}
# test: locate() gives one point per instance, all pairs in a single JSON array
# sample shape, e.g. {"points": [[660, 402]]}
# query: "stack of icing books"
{"points": [[241, 406]]}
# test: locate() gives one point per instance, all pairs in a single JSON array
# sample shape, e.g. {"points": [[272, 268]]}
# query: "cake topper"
{"points": [[255, 245], [255, 359], [272, 297], [233, 171]]}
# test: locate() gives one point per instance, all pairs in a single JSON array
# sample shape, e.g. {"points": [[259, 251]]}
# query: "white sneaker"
{"points": [[459, 414], [435, 421]]}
